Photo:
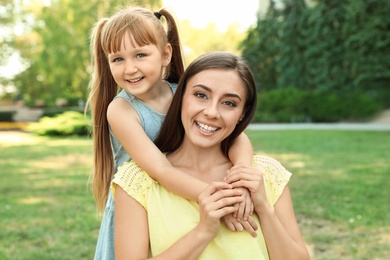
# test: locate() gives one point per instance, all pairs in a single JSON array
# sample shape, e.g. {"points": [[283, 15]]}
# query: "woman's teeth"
{"points": [[206, 128]]}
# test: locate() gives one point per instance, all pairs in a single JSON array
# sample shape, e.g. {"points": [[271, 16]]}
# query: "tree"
{"points": [[336, 51], [367, 47], [56, 48], [261, 48]]}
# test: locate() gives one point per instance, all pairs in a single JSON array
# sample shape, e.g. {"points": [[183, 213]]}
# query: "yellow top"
{"points": [[170, 216]]}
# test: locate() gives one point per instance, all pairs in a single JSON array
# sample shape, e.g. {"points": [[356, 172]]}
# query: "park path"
{"points": [[380, 123]]}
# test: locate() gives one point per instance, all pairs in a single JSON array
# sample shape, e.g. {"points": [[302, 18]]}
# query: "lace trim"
{"points": [[273, 172], [135, 181]]}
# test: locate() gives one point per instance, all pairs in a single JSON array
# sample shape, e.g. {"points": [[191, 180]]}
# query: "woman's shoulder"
{"points": [[273, 171], [133, 180]]}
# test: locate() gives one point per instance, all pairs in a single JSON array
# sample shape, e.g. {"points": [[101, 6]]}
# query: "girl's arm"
{"points": [[132, 232], [241, 151], [145, 153]]}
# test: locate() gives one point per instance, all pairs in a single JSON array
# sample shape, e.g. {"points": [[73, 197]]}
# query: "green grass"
{"points": [[340, 188]]}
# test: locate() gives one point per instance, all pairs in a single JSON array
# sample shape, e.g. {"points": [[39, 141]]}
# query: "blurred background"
{"points": [[314, 61]]}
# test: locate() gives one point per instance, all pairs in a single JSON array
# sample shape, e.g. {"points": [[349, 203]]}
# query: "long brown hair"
{"points": [[107, 35], [172, 131]]}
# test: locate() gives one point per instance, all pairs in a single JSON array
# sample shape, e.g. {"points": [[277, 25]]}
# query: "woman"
{"points": [[214, 102]]}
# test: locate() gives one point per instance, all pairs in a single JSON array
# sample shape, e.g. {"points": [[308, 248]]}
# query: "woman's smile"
{"points": [[206, 128]]}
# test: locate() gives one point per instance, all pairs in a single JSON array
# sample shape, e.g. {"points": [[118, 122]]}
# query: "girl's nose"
{"points": [[130, 68]]}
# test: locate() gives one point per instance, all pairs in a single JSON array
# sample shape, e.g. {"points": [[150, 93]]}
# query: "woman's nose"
{"points": [[211, 111]]}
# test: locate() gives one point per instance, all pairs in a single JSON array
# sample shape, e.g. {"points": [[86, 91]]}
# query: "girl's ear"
{"points": [[167, 55]]}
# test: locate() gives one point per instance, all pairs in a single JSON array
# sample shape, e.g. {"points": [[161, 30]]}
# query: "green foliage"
{"points": [[53, 111], [335, 50], [194, 42], [55, 47], [9, 15], [297, 105], [66, 124], [6, 116], [282, 105]]}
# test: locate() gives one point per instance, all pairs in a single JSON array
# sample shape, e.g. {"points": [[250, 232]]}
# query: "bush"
{"points": [[65, 124], [6, 116], [296, 105], [337, 106], [53, 111], [281, 105]]}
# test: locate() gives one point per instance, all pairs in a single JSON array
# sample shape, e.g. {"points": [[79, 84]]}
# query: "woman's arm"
{"points": [[145, 153], [279, 225], [132, 232], [280, 229]]}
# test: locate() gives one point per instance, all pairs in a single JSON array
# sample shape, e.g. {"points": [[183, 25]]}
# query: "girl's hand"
{"points": [[252, 179], [234, 225], [215, 202], [245, 208]]}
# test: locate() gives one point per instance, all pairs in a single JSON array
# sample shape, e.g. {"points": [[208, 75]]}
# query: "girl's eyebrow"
{"points": [[233, 95]]}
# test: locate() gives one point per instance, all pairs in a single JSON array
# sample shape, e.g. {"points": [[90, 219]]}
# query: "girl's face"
{"points": [[213, 104], [138, 69]]}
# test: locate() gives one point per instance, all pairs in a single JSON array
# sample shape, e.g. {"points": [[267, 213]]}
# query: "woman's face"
{"points": [[213, 104]]}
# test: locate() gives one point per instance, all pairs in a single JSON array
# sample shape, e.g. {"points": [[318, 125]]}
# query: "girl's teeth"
{"points": [[206, 128], [134, 80]]}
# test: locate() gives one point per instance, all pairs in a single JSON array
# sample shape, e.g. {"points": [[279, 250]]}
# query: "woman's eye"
{"points": [[230, 103], [200, 95]]}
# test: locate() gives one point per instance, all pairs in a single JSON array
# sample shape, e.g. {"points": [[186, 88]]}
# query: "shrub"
{"points": [[281, 105], [337, 106], [53, 111], [296, 105], [65, 124], [6, 116]]}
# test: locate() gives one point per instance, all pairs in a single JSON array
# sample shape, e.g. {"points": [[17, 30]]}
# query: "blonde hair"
{"points": [[106, 37]]}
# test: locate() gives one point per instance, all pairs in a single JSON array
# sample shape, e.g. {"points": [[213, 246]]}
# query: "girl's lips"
{"points": [[135, 80]]}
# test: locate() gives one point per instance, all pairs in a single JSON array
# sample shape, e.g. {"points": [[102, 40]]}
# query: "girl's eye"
{"points": [[140, 55], [117, 59], [230, 103], [200, 95]]}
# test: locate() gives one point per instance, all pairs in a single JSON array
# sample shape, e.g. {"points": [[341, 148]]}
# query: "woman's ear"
{"points": [[242, 115], [167, 55]]}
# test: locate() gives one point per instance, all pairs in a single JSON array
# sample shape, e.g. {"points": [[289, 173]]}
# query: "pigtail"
{"points": [[103, 90], [176, 68]]}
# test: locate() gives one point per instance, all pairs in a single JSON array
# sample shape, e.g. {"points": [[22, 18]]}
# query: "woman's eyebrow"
{"points": [[233, 95]]}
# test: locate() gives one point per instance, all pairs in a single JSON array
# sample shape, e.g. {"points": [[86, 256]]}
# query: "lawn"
{"points": [[339, 187]]}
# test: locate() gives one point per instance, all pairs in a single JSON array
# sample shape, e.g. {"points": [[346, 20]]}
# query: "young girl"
{"points": [[216, 90], [133, 51]]}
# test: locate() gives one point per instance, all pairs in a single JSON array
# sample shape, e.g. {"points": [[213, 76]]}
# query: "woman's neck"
{"points": [[205, 164]]}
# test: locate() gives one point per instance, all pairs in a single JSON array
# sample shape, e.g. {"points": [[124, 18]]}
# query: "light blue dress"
{"points": [[151, 122]]}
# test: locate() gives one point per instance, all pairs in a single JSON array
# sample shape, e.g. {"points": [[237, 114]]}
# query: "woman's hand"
{"points": [[243, 176], [215, 202]]}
